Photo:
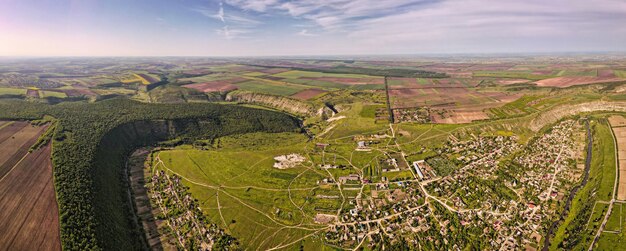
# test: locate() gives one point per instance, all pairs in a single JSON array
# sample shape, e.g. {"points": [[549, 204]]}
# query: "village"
{"points": [[181, 216], [500, 188]]}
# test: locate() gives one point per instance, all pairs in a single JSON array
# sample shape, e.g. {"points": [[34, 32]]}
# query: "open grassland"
{"points": [[615, 235], [355, 122], [263, 207], [29, 215]]}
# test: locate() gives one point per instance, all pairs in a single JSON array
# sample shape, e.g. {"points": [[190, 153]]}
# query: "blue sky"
{"points": [[322, 27]]}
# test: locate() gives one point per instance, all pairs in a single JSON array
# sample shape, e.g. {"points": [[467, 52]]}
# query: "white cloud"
{"points": [[422, 26], [306, 33], [255, 5]]}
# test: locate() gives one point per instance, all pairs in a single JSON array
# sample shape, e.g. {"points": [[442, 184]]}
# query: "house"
{"points": [[417, 168]]}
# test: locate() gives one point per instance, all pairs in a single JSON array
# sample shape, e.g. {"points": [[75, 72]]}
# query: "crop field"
{"points": [[52, 94], [270, 88], [12, 91], [216, 86], [620, 73], [308, 94], [514, 74], [29, 209], [618, 123], [330, 81], [575, 80], [451, 104]]}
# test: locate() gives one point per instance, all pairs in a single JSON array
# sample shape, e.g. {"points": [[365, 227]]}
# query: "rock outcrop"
{"points": [[278, 102], [555, 114]]}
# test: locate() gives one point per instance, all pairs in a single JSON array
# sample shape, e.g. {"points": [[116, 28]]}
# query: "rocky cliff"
{"points": [[281, 103], [559, 112]]}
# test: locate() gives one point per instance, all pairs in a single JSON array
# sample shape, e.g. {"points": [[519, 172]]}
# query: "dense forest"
{"points": [[92, 140]]}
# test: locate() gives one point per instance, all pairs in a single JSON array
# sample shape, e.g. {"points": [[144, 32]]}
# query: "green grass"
{"points": [[618, 215], [620, 73], [614, 241], [253, 196], [45, 94], [254, 74], [369, 111], [354, 124], [269, 88], [12, 91], [579, 73], [519, 107]]}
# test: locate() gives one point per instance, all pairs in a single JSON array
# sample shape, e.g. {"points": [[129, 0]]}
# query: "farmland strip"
{"points": [[14, 149], [11, 128]]}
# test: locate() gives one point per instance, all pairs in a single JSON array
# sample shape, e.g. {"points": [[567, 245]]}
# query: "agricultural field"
{"points": [[29, 212]]}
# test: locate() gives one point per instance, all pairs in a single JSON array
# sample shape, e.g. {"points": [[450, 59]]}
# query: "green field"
{"points": [[512, 74], [269, 88], [12, 91], [311, 74], [617, 222], [45, 94], [620, 73]]}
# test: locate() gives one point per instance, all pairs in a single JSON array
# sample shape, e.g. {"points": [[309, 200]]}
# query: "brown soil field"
{"points": [[461, 105], [216, 86], [459, 116], [571, 81], [32, 93], [308, 94], [28, 208], [542, 72], [9, 128], [511, 81], [617, 124], [608, 73]]}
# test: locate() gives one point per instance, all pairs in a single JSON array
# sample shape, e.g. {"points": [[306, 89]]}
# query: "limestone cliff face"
{"points": [[557, 113], [278, 102]]}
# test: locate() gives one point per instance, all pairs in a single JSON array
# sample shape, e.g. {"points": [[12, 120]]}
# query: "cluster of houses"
{"points": [[181, 214], [386, 211]]}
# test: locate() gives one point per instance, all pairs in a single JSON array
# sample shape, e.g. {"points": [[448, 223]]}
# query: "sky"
{"points": [[312, 27]]}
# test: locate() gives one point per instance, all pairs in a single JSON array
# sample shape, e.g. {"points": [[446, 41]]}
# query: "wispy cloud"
{"points": [[228, 33], [306, 33], [454, 25], [240, 24]]}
